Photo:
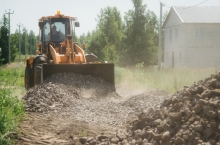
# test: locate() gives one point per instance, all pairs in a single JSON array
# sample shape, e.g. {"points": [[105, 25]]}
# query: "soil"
{"points": [[82, 116], [40, 129]]}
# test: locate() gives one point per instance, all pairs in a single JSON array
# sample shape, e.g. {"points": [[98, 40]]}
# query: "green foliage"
{"points": [[32, 43], [11, 108], [14, 46], [141, 36], [105, 40], [4, 41], [110, 53], [83, 133]]}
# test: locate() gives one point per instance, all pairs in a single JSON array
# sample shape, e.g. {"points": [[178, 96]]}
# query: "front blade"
{"points": [[104, 71]]}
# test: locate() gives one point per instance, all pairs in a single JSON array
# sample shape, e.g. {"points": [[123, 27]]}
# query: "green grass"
{"points": [[169, 80], [11, 107]]}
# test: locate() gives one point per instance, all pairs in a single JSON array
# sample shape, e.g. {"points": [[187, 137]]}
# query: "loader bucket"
{"points": [[104, 71]]}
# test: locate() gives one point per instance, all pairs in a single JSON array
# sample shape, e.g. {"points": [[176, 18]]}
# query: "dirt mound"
{"points": [[77, 109], [62, 89], [191, 116]]}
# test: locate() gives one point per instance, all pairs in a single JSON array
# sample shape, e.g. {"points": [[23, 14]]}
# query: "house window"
{"points": [[170, 35], [176, 34], [166, 55], [199, 33]]}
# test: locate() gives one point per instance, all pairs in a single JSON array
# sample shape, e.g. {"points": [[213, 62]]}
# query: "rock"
{"points": [[212, 114], [157, 122], [206, 94], [102, 137], [218, 114], [178, 140], [202, 102], [197, 108], [207, 132], [175, 100], [185, 137], [83, 140], [156, 137], [206, 143], [206, 109], [137, 133], [178, 106], [216, 92], [114, 140], [121, 136], [165, 136], [175, 117], [198, 128]]}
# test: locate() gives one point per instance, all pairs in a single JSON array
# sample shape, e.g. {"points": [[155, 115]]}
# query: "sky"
{"points": [[27, 12]]}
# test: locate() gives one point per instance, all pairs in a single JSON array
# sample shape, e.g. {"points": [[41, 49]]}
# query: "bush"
{"points": [[11, 108]]}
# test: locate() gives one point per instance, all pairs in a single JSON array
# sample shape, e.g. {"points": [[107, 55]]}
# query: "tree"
{"points": [[14, 46], [141, 36], [32, 42], [4, 58], [104, 41], [24, 42]]}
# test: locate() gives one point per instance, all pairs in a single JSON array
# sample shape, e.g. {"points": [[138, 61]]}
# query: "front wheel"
{"points": [[37, 71], [29, 79]]}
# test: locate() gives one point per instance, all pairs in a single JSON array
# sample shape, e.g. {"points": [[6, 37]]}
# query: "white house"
{"points": [[192, 37]]}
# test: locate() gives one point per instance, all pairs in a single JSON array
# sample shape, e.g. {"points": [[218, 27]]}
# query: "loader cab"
{"points": [[55, 29]]}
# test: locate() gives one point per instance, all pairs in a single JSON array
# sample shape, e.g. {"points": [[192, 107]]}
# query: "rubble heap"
{"points": [[61, 89], [191, 116]]}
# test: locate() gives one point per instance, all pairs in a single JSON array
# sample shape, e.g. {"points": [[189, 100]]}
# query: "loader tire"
{"points": [[29, 78], [40, 59], [37, 70]]}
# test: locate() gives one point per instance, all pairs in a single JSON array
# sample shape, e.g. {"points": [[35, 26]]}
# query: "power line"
{"points": [[186, 7], [2, 6], [4, 3], [196, 5], [19, 25], [5, 7], [201, 2]]}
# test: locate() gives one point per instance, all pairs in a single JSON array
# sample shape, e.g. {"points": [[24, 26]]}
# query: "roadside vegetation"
{"points": [[11, 107], [170, 80]]}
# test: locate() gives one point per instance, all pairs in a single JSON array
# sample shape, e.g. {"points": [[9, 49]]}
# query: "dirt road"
{"points": [[75, 119]]}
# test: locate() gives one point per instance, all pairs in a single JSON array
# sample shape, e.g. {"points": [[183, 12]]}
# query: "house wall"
{"points": [[173, 46], [188, 50], [204, 51], [173, 20]]}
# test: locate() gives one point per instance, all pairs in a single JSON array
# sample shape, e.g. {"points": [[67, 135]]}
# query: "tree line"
{"points": [[126, 42], [28, 41]]}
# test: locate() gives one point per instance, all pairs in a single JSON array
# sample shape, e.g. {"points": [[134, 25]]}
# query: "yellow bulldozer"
{"points": [[57, 53]]}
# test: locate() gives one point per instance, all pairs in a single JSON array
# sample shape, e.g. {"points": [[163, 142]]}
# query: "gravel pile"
{"points": [[60, 90], [191, 116], [88, 99]]}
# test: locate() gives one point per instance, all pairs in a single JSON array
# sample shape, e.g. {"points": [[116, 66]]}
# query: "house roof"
{"points": [[196, 14]]}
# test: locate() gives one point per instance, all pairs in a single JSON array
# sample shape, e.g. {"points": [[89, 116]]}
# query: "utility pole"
{"points": [[160, 38], [19, 43], [25, 44], [9, 49], [31, 45]]}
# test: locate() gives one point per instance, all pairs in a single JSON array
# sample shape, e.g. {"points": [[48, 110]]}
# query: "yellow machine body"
{"points": [[57, 52]]}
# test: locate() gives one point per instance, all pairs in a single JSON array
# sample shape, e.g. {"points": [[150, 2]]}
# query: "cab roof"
{"points": [[57, 15]]}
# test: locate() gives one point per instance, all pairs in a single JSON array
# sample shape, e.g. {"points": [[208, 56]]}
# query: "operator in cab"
{"points": [[55, 34]]}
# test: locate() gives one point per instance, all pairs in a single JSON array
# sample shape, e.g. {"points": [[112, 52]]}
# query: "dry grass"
{"points": [[170, 80]]}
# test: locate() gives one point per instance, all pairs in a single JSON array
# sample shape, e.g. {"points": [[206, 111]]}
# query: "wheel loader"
{"points": [[58, 52]]}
